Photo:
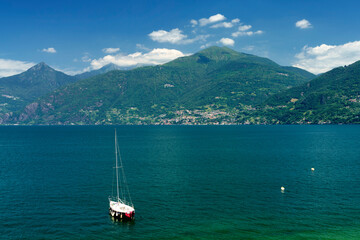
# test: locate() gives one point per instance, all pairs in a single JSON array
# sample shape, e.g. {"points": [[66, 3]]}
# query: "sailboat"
{"points": [[120, 206]]}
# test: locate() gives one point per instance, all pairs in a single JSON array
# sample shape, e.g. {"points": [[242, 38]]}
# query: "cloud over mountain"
{"points": [[323, 58], [11, 67], [153, 57], [174, 36], [227, 41]]}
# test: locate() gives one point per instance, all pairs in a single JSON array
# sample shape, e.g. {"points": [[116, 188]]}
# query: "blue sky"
{"points": [[75, 36]]}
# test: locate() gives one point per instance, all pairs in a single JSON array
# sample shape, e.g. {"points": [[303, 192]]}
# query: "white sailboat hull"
{"points": [[119, 210]]}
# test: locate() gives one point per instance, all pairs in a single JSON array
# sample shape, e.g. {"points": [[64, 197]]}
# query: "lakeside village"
{"points": [[178, 117], [213, 114], [206, 116]]}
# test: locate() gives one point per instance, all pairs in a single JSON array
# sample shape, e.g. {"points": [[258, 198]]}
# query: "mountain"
{"points": [[107, 68], [333, 97], [214, 82], [237, 77], [19, 90]]}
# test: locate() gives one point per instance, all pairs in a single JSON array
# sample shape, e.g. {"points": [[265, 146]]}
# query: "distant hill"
{"points": [[215, 79], [107, 68], [333, 97], [19, 90]]}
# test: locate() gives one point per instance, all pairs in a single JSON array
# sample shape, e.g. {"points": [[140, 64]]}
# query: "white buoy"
{"points": [[282, 189], [312, 169]]}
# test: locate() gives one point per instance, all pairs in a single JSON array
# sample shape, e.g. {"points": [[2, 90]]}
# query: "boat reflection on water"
{"points": [[122, 222]]}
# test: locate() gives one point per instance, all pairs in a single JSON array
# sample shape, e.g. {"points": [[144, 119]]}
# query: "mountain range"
{"points": [[333, 97], [214, 86], [215, 78], [19, 90]]}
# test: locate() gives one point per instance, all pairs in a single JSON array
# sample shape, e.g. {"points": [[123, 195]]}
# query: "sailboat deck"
{"points": [[120, 207]]}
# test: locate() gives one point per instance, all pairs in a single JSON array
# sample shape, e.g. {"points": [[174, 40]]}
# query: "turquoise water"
{"points": [[186, 182]]}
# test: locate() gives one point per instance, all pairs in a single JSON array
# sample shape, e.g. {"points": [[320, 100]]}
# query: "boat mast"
{"points": [[116, 166]]}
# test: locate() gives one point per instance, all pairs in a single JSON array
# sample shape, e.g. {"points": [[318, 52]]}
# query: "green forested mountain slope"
{"points": [[19, 90], [211, 80], [333, 97]]}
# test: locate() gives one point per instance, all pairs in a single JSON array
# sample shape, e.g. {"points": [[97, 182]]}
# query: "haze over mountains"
{"points": [[214, 86], [107, 68]]}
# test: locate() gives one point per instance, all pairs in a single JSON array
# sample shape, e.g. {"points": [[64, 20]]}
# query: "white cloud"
{"points": [[193, 22], [174, 36], [142, 46], [86, 58], [223, 24], [201, 38], [226, 24], [215, 18], [227, 41], [303, 24], [325, 57], [49, 50], [11, 67], [110, 50], [244, 27], [154, 57], [243, 31], [248, 33]]}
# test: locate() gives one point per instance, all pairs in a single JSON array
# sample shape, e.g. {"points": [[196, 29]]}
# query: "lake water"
{"points": [[186, 182]]}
